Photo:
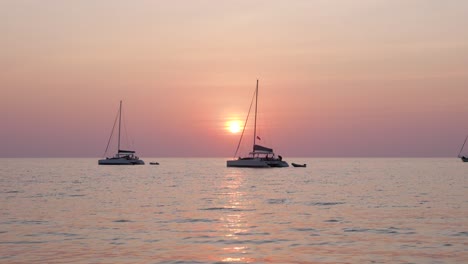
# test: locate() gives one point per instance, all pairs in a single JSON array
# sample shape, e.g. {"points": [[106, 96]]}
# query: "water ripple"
{"points": [[277, 201], [122, 221], [390, 230], [325, 203], [194, 220], [251, 241], [304, 229], [464, 233]]}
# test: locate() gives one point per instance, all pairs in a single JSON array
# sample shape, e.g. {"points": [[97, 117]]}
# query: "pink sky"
{"points": [[337, 78]]}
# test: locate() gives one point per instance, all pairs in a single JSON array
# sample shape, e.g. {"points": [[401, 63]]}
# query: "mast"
{"points": [[120, 119], [255, 123], [462, 146]]}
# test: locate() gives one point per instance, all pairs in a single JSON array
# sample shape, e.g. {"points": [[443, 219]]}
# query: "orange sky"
{"points": [[337, 78]]}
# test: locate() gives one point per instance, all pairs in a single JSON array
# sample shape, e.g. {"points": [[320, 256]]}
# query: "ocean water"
{"points": [[346, 210]]}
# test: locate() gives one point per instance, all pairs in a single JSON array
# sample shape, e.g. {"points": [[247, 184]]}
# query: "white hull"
{"points": [[121, 161], [256, 163], [247, 163]]}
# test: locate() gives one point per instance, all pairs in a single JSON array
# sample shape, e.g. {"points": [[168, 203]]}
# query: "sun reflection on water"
{"points": [[235, 220]]}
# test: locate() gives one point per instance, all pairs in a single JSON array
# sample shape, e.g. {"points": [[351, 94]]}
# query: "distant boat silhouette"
{"points": [[299, 165], [123, 157], [463, 158], [260, 157]]}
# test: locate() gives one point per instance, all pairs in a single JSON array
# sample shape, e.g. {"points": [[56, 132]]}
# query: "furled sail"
{"points": [[262, 148], [126, 151]]}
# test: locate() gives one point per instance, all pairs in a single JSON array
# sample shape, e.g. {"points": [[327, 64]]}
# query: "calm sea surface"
{"points": [[199, 211]]}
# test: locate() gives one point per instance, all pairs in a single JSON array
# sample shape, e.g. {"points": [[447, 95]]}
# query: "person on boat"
{"points": [[280, 157]]}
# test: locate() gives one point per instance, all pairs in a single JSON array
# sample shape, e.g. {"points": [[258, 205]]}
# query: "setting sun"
{"points": [[234, 126]]}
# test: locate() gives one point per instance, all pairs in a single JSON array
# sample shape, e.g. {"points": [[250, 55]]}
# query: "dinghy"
{"points": [[299, 165]]}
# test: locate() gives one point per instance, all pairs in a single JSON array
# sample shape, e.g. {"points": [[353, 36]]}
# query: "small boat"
{"points": [[463, 158], [123, 157], [260, 157], [299, 165], [154, 163]]}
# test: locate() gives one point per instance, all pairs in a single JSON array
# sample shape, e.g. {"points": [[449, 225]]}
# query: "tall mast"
{"points": [[255, 124], [120, 119]]}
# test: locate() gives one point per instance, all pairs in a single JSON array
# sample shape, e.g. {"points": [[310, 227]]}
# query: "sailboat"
{"points": [[463, 158], [123, 157], [260, 157]]}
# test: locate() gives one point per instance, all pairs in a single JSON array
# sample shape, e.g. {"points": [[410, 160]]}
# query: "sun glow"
{"points": [[234, 126]]}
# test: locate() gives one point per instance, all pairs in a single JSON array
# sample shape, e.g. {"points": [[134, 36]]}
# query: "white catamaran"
{"points": [[123, 157], [463, 158], [260, 157]]}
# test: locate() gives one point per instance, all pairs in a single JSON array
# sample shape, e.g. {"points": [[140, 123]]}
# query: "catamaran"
{"points": [[260, 157], [463, 158], [123, 157]]}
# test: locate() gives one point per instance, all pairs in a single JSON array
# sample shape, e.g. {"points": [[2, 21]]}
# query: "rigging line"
{"points": [[462, 146], [112, 133], [126, 133], [268, 126], [245, 124]]}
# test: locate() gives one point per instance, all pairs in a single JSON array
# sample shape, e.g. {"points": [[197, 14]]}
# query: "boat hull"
{"points": [[277, 163], [247, 163], [256, 163], [464, 159], [299, 165], [121, 161]]}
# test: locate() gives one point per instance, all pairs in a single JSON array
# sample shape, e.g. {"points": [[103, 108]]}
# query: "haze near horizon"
{"points": [[336, 78]]}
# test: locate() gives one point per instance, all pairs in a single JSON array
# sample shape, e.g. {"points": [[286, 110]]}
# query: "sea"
{"points": [[196, 210]]}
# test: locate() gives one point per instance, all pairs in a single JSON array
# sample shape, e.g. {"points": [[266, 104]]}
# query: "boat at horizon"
{"points": [[463, 158], [123, 157], [260, 157], [299, 165]]}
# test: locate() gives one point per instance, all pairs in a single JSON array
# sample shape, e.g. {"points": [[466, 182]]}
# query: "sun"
{"points": [[234, 126]]}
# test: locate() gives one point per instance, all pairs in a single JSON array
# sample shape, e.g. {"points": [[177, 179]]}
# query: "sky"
{"points": [[337, 78]]}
